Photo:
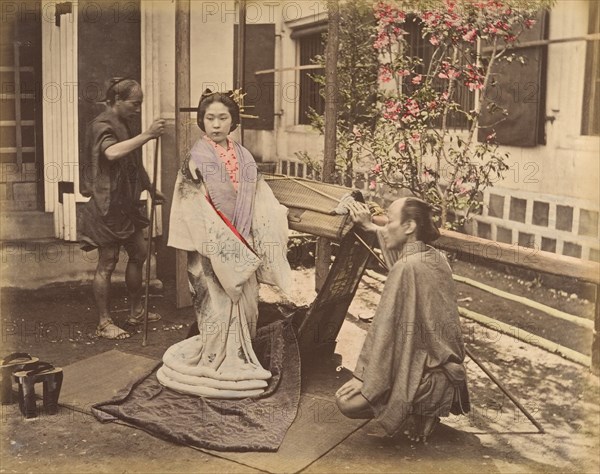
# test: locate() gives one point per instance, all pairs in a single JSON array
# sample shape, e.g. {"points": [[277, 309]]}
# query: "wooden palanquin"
{"points": [[310, 204]]}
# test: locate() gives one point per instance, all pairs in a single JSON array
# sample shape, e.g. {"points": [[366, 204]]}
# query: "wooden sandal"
{"points": [[12, 363], [50, 376], [109, 330]]}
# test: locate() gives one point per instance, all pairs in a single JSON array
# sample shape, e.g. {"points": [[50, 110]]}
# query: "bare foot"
{"points": [[419, 427], [137, 319], [109, 330]]}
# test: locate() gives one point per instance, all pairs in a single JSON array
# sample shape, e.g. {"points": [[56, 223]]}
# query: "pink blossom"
{"points": [[382, 40], [470, 36], [415, 136], [404, 73], [385, 74], [373, 185], [473, 86], [401, 146], [449, 74], [417, 79], [529, 23], [490, 137], [377, 168], [434, 40]]}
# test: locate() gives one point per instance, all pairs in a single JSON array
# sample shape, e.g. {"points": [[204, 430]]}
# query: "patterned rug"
{"points": [[251, 424]]}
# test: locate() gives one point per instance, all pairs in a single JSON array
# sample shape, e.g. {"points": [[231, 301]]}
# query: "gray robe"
{"points": [[411, 361], [114, 211]]}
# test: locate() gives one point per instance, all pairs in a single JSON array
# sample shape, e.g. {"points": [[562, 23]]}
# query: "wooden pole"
{"points": [[504, 390], [323, 253], [150, 233], [241, 59], [182, 99], [596, 339]]}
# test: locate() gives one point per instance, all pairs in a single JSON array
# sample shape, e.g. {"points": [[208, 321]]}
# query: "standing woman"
{"points": [[235, 232], [114, 177]]}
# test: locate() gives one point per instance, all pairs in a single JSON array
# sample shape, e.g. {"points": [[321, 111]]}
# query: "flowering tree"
{"points": [[357, 75], [413, 145]]}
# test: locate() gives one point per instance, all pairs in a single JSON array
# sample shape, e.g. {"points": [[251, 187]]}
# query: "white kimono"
{"points": [[224, 274]]}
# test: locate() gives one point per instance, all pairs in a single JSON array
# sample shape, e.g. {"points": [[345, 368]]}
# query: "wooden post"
{"points": [[241, 59], [182, 99], [596, 339], [323, 253]]}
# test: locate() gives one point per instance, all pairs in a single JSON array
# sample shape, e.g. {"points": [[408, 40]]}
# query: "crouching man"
{"points": [[410, 370]]}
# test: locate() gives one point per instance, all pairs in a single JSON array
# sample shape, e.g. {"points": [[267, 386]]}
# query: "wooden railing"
{"points": [[470, 247]]}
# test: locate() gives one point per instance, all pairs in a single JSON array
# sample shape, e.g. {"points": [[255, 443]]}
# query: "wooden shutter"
{"points": [[521, 90], [259, 89], [590, 124]]}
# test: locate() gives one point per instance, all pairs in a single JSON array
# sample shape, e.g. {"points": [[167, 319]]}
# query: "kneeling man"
{"points": [[410, 370]]}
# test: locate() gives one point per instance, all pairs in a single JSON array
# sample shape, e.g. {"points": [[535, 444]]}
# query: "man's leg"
{"points": [[355, 406], [137, 250], [108, 256]]}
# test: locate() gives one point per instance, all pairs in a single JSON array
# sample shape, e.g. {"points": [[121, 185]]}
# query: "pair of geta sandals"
{"points": [[27, 371]]}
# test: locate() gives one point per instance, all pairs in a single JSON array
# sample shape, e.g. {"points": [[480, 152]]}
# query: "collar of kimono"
{"points": [[215, 144], [412, 248], [237, 207]]}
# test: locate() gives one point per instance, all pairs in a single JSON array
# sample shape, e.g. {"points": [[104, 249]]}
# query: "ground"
{"points": [[57, 325]]}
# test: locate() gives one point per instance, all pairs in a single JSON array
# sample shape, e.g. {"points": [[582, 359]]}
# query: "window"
{"points": [[590, 124], [423, 49], [310, 98]]}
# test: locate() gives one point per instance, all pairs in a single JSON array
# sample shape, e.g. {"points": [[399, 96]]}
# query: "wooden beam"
{"points": [[240, 82], [182, 99], [323, 250], [546, 42], [517, 256]]}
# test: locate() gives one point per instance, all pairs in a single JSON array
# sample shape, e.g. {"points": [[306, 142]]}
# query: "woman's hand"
{"points": [[349, 389], [156, 129]]}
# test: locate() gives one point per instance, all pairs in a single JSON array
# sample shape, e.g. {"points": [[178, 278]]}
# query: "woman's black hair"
{"points": [[421, 212], [226, 98], [121, 87]]}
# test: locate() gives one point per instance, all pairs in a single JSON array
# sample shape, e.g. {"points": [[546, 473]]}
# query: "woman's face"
{"points": [[217, 122], [129, 108]]}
